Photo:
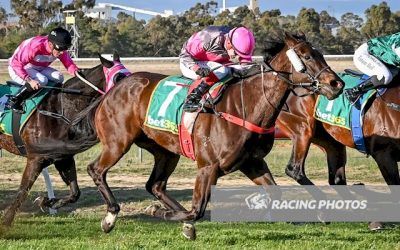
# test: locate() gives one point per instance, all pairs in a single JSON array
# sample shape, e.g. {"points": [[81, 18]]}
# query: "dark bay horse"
{"points": [[381, 132], [49, 140], [229, 147]]}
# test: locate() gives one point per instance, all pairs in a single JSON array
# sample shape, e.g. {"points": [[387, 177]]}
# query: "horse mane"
{"points": [[275, 43]]}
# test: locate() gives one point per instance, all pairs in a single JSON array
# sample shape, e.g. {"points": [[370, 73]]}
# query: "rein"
{"points": [[265, 68], [78, 74], [109, 74], [314, 84]]}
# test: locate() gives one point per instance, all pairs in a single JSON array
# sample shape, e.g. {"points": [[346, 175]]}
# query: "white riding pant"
{"points": [[370, 65], [219, 70], [38, 73]]}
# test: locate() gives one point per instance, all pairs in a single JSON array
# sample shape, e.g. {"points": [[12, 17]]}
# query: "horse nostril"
{"points": [[336, 84]]}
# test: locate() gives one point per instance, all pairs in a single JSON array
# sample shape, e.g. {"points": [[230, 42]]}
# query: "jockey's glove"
{"points": [[203, 72], [80, 72]]}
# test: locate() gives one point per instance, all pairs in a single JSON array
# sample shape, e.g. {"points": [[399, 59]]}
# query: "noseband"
{"points": [[315, 83]]}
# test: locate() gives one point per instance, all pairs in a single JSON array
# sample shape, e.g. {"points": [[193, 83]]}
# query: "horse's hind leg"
{"points": [[388, 166], [67, 169], [206, 177], [336, 158], [257, 171], [164, 165], [34, 167]]}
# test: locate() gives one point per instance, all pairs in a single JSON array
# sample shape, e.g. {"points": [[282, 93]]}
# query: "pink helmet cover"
{"points": [[243, 42]]}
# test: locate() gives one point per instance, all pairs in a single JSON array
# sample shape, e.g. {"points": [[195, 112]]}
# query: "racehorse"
{"points": [[380, 129], [62, 126], [221, 147]]}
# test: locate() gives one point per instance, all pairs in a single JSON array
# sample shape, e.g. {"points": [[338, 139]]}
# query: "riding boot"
{"points": [[193, 100], [354, 93], [15, 101]]}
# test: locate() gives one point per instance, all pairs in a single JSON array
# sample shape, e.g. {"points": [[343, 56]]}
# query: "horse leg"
{"points": [[336, 159], [98, 171], [390, 172], [300, 135], [206, 177], [164, 165], [388, 166], [296, 166], [34, 167], [257, 171], [67, 169]]}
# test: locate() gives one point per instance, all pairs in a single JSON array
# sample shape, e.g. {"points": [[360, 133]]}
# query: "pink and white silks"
{"points": [[33, 57]]}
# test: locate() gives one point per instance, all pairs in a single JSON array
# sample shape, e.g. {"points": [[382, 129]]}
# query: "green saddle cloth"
{"points": [[166, 103], [29, 106], [337, 112]]}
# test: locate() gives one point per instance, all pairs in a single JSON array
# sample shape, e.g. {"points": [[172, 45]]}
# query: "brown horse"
{"points": [[381, 132], [229, 147], [62, 126]]}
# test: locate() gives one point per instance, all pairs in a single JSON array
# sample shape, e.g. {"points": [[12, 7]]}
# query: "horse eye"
{"points": [[307, 57]]}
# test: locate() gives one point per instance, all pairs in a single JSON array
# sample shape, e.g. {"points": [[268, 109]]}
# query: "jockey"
{"points": [[203, 57], [376, 58], [28, 66]]}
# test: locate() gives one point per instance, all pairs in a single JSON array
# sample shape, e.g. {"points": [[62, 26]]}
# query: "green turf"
{"points": [[81, 232]]}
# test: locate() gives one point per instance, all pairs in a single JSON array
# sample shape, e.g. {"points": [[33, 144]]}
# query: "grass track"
{"points": [[78, 226], [81, 232]]}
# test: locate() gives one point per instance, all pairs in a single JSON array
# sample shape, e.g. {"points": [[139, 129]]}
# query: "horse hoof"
{"points": [[108, 223], [106, 227], [40, 201], [152, 209], [189, 231], [375, 226]]}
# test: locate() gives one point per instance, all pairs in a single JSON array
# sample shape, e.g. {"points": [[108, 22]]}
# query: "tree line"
{"points": [[164, 36]]}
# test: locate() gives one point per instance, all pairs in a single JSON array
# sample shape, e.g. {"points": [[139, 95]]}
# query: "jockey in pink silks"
{"points": [[29, 65], [205, 55]]}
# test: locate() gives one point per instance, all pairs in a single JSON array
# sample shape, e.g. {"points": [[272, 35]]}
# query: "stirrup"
{"points": [[191, 107], [15, 106], [18, 109], [351, 96]]}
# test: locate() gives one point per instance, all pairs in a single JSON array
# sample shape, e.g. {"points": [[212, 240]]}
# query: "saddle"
{"points": [[12, 123], [213, 96]]}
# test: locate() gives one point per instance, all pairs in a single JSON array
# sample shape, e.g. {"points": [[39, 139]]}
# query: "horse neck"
{"points": [[78, 102], [273, 93], [94, 75]]}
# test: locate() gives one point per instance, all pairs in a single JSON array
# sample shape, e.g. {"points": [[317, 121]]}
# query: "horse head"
{"points": [[304, 66], [114, 71], [100, 78]]}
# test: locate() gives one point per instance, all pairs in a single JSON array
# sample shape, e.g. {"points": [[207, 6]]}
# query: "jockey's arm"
{"points": [[20, 59], [68, 63]]}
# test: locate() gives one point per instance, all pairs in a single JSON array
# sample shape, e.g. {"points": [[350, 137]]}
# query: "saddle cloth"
{"points": [[164, 111], [29, 106]]}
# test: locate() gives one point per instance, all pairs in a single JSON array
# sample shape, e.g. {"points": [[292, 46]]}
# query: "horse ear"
{"points": [[289, 39], [106, 63], [116, 56], [288, 36], [301, 35]]}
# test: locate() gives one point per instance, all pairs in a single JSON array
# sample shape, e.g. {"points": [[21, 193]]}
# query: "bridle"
{"points": [[313, 86], [111, 73], [110, 76]]}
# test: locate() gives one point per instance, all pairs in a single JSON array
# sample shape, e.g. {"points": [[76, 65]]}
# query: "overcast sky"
{"points": [[287, 7]]}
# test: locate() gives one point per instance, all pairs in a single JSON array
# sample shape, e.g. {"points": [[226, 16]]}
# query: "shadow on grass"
{"points": [[90, 197]]}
